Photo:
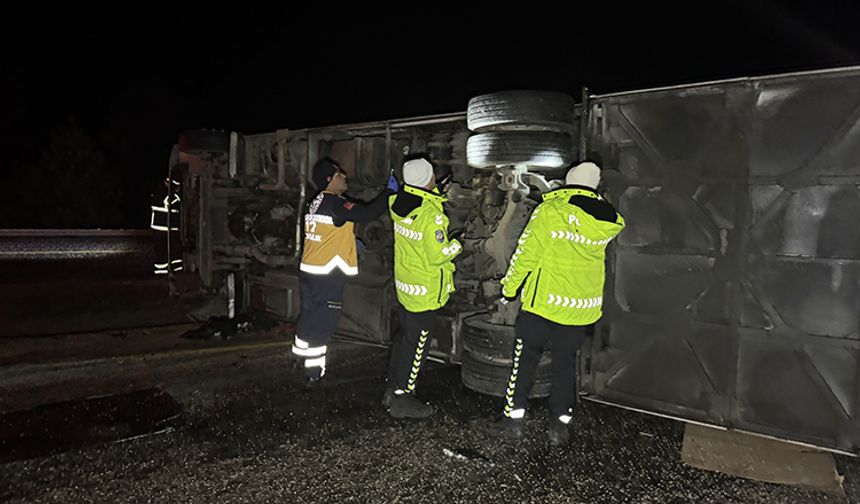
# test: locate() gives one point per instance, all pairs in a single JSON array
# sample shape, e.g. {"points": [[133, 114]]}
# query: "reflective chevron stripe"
{"points": [[413, 290], [408, 233], [568, 302], [577, 238], [517, 253], [512, 383], [416, 362]]}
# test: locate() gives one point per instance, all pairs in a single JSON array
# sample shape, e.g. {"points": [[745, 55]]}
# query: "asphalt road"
{"points": [[250, 433]]}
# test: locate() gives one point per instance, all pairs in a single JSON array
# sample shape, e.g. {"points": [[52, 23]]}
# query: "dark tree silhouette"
{"points": [[72, 185]]}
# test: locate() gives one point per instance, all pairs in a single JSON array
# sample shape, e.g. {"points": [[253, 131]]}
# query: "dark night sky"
{"points": [[143, 75]]}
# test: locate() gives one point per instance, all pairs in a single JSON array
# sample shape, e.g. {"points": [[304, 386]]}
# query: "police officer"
{"points": [[557, 270], [328, 259], [165, 219], [423, 278]]}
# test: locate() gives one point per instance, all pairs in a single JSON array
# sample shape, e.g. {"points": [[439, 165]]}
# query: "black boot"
{"points": [[387, 397], [311, 382], [504, 428], [559, 433], [312, 377], [408, 406]]}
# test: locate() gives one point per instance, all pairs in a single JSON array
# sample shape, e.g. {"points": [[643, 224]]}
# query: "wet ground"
{"points": [[250, 433]]}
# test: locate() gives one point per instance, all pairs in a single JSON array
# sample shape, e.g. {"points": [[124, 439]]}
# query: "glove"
{"points": [[392, 185], [505, 300]]}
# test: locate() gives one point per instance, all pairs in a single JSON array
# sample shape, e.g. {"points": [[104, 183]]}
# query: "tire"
{"points": [[537, 149], [535, 110], [198, 141], [490, 342], [492, 379]]}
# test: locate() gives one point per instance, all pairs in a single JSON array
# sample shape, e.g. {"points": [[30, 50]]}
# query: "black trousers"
{"points": [[532, 333], [410, 348], [321, 299]]}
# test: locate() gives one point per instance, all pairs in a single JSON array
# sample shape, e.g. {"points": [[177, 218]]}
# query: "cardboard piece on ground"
{"points": [[762, 459]]}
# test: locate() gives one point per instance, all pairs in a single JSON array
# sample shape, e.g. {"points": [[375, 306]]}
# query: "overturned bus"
{"points": [[731, 298]]}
